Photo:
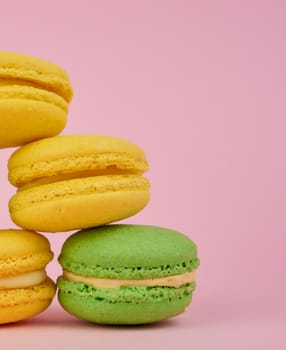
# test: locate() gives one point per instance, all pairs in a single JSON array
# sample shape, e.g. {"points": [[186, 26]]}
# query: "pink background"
{"points": [[200, 86]]}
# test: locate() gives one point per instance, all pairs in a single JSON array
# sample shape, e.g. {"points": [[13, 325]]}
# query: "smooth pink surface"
{"points": [[200, 85]]}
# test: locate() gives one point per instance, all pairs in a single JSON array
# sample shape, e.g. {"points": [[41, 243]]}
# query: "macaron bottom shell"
{"points": [[77, 204], [123, 306], [27, 121], [21, 312], [20, 304]]}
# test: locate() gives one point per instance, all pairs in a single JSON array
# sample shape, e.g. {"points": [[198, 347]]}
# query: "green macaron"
{"points": [[127, 274]]}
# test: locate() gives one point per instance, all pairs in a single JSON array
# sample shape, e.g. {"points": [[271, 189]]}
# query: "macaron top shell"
{"points": [[128, 252], [17, 69], [82, 155], [22, 251]]}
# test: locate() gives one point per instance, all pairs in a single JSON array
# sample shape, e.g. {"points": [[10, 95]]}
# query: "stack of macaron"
{"points": [[34, 98], [112, 273]]}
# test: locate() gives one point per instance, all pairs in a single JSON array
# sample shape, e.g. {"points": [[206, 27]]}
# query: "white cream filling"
{"points": [[23, 280], [170, 281]]}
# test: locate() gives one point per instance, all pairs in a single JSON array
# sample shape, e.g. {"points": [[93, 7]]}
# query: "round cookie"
{"points": [[77, 181], [25, 289], [127, 274], [34, 97]]}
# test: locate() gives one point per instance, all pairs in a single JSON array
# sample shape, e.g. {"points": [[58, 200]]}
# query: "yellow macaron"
{"points": [[34, 97], [25, 289], [77, 181]]}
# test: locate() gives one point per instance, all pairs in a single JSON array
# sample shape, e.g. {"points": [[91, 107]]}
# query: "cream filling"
{"points": [[170, 281], [23, 280]]}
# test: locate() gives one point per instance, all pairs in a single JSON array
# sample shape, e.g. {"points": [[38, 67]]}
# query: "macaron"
{"points": [[25, 289], [77, 181], [34, 98], [127, 274]]}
